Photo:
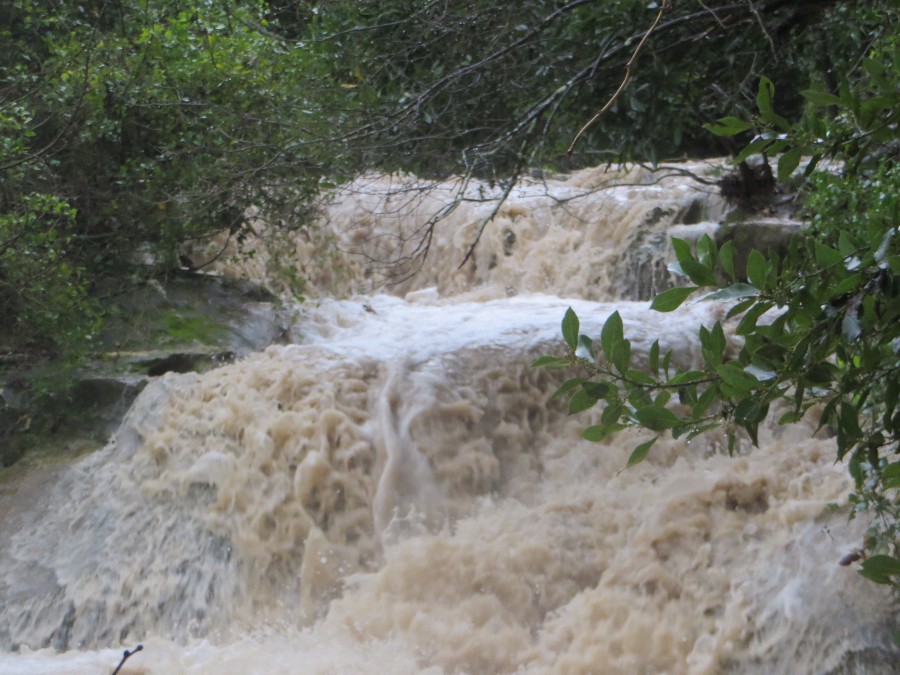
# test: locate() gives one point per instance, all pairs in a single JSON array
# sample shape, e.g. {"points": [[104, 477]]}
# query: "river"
{"points": [[391, 491]]}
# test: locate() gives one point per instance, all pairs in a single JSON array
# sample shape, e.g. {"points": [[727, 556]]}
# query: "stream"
{"points": [[392, 491]]}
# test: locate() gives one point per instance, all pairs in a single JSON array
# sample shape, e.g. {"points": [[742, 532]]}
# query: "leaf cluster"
{"points": [[819, 324], [153, 123]]}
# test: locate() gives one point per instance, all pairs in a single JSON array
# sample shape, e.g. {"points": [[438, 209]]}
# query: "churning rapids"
{"points": [[393, 492]]}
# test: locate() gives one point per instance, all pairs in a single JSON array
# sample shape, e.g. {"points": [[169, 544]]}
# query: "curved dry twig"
{"points": [[662, 9]]}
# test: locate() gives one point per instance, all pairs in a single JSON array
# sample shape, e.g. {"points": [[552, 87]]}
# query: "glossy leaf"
{"points": [[570, 328], [581, 400], [726, 258], [756, 269], [788, 163], [656, 419], [567, 386], [550, 362], [639, 454], [764, 95], [611, 335], [728, 126], [882, 569], [733, 292], [671, 299]]}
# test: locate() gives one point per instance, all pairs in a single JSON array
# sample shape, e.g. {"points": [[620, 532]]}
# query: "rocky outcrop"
{"points": [[189, 322]]}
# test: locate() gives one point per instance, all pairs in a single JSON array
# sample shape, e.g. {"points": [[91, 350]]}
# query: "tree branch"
{"points": [[662, 9]]}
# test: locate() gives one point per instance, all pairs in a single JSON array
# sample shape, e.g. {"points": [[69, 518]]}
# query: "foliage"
{"points": [[491, 89], [159, 122], [819, 325], [150, 124], [41, 291]]}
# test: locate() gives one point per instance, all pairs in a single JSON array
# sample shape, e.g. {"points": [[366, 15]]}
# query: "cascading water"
{"points": [[394, 493]]}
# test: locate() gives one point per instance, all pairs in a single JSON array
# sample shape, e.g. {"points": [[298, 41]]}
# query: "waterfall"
{"points": [[394, 491]]}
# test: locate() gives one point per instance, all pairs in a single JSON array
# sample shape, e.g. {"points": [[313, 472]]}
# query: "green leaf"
{"points": [[775, 120], [880, 569], [847, 245], [747, 324], [671, 299], [734, 291], [874, 67], [597, 390], [739, 380], [788, 163], [621, 356], [639, 377], [728, 126], [581, 401], [611, 335], [812, 163], [682, 250], [844, 287], [656, 419], [697, 272], [640, 453], [567, 386], [712, 345], [595, 433], [739, 308], [612, 413], [820, 98], [752, 148], [849, 420], [749, 413], [726, 258], [654, 357], [689, 377], [551, 362], [764, 95], [570, 327], [706, 399], [600, 432], [706, 251], [827, 256], [756, 269], [884, 246], [890, 477]]}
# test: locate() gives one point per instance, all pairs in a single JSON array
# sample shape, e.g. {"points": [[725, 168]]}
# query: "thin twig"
{"points": [[714, 15], [662, 8], [484, 223], [125, 658], [762, 27]]}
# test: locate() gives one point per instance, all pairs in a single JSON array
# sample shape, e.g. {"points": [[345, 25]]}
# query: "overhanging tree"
{"points": [[820, 325]]}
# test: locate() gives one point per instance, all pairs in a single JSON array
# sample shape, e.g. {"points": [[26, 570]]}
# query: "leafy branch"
{"points": [[815, 326]]}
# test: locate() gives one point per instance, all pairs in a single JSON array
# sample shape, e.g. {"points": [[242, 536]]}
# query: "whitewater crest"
{"points": [[394, 492]]}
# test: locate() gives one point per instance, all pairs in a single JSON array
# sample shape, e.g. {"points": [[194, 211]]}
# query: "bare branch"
{"points": [[125, 657], [762, 27], [662, 9]]}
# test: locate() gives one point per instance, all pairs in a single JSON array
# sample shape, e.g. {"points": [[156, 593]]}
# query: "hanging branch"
{"points": [[662, 8]]}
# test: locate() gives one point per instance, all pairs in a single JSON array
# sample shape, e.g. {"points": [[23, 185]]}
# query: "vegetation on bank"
{"points": [[819, 326], [130, 127]]}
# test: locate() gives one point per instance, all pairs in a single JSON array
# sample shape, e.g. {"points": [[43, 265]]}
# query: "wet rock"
{"points": [[190, 322], [766, 235]]}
